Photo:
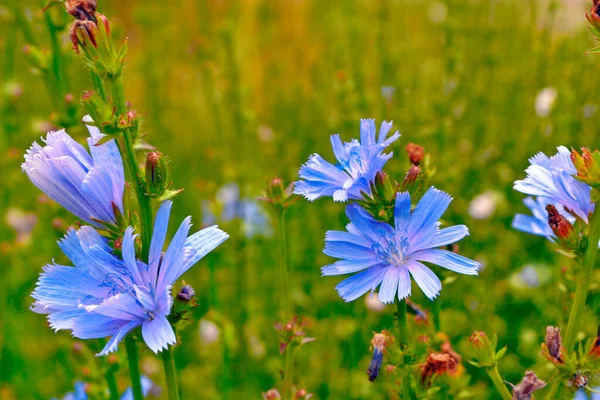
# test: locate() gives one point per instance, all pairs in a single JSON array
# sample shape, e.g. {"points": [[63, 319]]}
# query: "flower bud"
{"points": [[82, 9], [384, 188], [484, 350], [272, 394], [415, 153], [579, 381], [379, 342], [100, 111], [561, 226], [83, 36], [280, 196], [593, 15], [554, 344], [529, 384], [157, 174], [411, 180], [186, 293], [588, 166]]}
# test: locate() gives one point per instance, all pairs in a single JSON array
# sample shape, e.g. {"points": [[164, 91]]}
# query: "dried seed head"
{"points": [[529, 384], [82, 9], [554, 342], [415, 153], [561, 226]]}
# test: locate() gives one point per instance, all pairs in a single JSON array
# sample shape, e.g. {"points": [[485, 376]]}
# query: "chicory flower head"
{"points": [[358, 163], [106, 296], [551, 179], [89, 186], [389, 255]]}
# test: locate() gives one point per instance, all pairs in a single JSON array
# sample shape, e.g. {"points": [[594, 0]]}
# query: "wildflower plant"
{"points": [[394, 230], [121, 284]]}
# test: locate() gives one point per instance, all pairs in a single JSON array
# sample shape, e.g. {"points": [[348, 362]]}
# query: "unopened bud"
{"points": [[529, 384], [379, 342], [272, 394], [100, 111], [595, 351], [415, 153], [587, 165], [593, 15], [157, 174], [82, 9], [580, 381], [186, 293], [554, 342], [411, 180], [279, 195], [561, 226], [384, 188]]}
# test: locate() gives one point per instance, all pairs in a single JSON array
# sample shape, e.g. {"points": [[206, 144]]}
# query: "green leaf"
{"points": [[594, 50], [501, 353], [52, 3]]}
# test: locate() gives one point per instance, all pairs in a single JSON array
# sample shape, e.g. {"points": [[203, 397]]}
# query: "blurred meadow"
{"points": [[238, 92]]}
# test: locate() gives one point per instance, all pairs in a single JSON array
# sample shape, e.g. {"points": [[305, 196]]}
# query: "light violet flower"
{"points": [[90, 185], [358, 163]]}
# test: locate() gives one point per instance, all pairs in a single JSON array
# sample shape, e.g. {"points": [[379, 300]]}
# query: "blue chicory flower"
{"points": [[388, 255], [89, 186], [106, 296], [551, 179], [255, 221], [358, 163]]}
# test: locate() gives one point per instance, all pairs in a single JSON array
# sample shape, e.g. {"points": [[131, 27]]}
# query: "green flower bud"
{"points": [[100, 111], [157, 174]]}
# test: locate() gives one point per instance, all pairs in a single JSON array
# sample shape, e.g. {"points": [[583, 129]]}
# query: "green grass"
{"points": [[215, 77]]}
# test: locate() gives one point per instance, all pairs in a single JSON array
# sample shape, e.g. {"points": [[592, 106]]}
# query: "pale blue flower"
{"points": [[389, 255], [551, 178], [255, 220], [537, 222], [89, 186], [106, 296], [80, 393], [358, 163], [582, 394]]}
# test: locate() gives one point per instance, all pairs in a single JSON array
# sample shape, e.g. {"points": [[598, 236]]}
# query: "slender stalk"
{"points": [[170, 375], [132, 168], [283, 265], [134, 370], [499, 383], [403, 340], [583, 286], [112, 384], [583, 282], [436, 315]]}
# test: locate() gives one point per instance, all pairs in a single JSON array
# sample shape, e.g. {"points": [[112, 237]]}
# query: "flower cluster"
{"points": [[109, 291]]}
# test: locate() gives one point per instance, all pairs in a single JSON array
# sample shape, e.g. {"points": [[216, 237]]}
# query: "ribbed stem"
{"points": [[134, 369], [170, 374], [583, 286], [583, 282], [499, 383], [283, 267], [407, 393]]}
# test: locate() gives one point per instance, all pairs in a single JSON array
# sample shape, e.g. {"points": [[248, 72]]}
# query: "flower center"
{"points": [[392, 251]]}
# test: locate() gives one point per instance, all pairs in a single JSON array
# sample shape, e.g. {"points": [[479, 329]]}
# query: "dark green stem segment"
{"points": [[112, 384], [407, 393], [134, 369], [170, 374], [583, 282], [132, 168], [283, 261], [499, 383]]}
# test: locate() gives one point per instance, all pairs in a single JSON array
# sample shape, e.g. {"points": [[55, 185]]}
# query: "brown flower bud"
{"points": [[579, 381], [554, 342], [529, 384], [593, 15], [561, 226], [415, 153], [82, 9], [272, 394], [83, 33]]}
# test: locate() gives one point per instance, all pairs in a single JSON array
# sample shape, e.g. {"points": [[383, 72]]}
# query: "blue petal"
{"points": [[197, 246], [159, 234], [389, 285], [173, 256], [348, 251], [359, 284], [158, 334], [121, 306], [529, 224], [367, 132], [423, 222], [114, 341], [347, 267], [128, 250], [367, 225], [424, 277], [402, 211], [449, 235], [448, 260]]}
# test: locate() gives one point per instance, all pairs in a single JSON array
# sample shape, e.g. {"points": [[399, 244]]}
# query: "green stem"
{"points": [[134, 369], [436, 315], [132, 168], [499, 383], [283, 261], [402, 341], [170, 375], [583, 286], [583, 282], [109, 375]]}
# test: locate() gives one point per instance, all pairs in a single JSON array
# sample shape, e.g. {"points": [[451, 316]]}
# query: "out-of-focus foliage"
{"points": [[242, 91]]}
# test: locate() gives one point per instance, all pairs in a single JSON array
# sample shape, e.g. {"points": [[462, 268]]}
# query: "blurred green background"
{"points": [[242, 91]]}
